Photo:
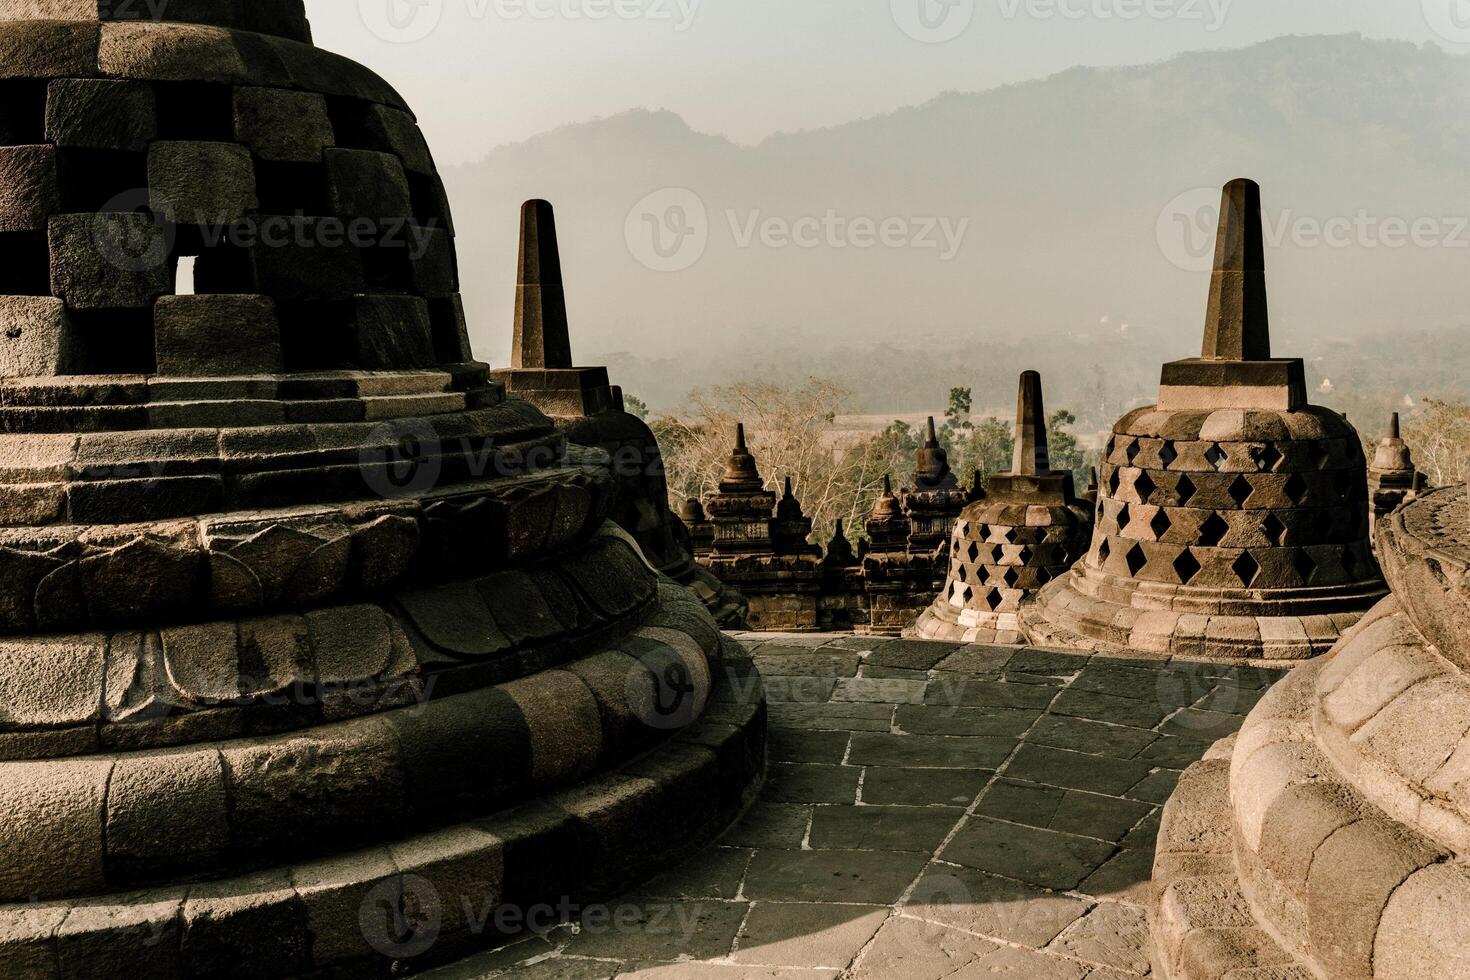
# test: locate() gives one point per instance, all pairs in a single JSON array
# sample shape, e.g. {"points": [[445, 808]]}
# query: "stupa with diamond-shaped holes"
{"points": [[1026, 530], [1232, 518], [312, 641]]}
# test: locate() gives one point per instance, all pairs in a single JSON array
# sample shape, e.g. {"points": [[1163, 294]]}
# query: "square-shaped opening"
{"points": [[25, 264], [291, 188], [101, 180], [315, 335], [22, 112], [195, 111], [113, 341]]}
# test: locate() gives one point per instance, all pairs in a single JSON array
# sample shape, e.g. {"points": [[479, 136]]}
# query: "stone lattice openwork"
{"points": [[1028, 529], [312, 639], [1232, 517], [1330, 839]]}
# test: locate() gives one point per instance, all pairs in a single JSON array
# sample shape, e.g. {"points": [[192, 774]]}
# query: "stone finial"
{"points": [[932, 462], [788, 508], [1393, 426], [887, 504], [839, 549], [741, 474], [1237, 327], [1393, 454], [542, 338], [691, 511], [1031, 457]]}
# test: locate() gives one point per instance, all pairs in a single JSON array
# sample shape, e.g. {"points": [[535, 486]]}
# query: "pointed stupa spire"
{"points": [[1393, 426], [788, 507], [887, 503], [1031, 457], [542, 338], [741, 474], [839, 549], [931, 467], [1237, 327]]}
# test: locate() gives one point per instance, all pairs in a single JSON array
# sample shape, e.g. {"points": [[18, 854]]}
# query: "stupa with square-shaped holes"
{"points": [[311, 639], [1233, 516]]}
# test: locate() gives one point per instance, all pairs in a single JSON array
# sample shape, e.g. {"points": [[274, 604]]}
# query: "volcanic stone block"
{"points": [[52, 837], [451, 333], [307, 264], [176, 52], [283, 126], [395, 130], [391, 332], [101, 114], [434, 272], [166, 810], [201, 183], [107, 261], [27, 187], [35, 337], [367, 184], [49, 50], [210, 336]]}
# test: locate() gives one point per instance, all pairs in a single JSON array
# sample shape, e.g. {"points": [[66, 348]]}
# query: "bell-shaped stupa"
{"points": [[1232, 518], [1026, 530], [313, 640]]}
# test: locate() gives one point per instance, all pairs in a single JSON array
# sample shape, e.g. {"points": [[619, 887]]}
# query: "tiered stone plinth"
{"points": [[315, 649], [1330, 840], [1232, 519], [1028, 529]]}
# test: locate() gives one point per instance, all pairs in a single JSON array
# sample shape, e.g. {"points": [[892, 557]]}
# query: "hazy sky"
{"points": [[484, 72]]}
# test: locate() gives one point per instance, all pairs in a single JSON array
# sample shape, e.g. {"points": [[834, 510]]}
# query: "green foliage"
{"points": [[634, 405]]}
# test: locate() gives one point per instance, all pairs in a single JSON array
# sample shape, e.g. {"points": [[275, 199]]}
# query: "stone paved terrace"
{"points": [[932, 810]]}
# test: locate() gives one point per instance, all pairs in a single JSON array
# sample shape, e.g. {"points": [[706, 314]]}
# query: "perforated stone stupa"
{"points": [[313, 640], [1233, 516], [1330, 838], [1026, 530]]}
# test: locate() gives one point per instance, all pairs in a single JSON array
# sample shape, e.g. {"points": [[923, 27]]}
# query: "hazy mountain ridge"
{"points": [[1064, 182]]}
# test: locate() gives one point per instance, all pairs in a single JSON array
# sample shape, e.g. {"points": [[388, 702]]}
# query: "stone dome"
{"points": [[304, 624], [1232, 518]]}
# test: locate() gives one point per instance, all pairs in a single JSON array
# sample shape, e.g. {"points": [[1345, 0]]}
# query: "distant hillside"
{"points": [[1065, 184]]}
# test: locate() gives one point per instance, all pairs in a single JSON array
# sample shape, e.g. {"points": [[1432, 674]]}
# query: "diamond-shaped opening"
{"points": [[1350, 561], [1011, 577], [1305, 566], [974, 551], [1240, 490], [1125, 516], [1167, 454], [1143, 485], [1318, 455], [1136, 560], [1215, 455], [1112, 445], [1213, 531], [996, 553], [1025, 555], [1246, 568], [1134, 448], [1274, 530], [1113, 483], [1186, 566], [1186, 490], [1344, 483], [1268, 458], [1160, 524], [1010, 535], [993, 599], [1296, 488], [962, 574], [1104, 550]]}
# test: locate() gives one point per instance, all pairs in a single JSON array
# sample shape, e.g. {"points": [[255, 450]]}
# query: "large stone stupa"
{"points": [[1233, 516], [313, 639], [1027, 529]]}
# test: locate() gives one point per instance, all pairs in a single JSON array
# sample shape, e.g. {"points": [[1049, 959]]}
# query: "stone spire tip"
{"points": [[1237, 324], [542, 338], [1031, 456]]}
